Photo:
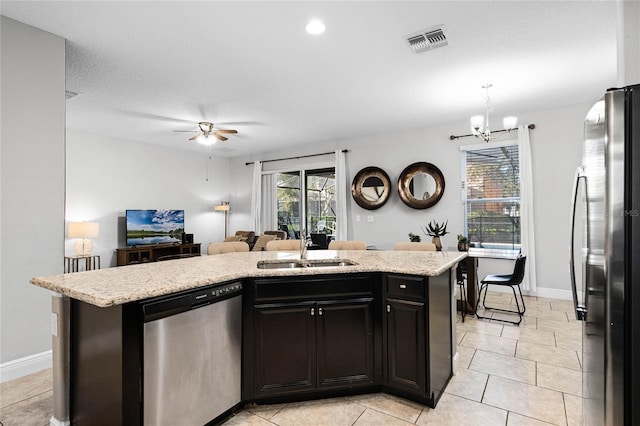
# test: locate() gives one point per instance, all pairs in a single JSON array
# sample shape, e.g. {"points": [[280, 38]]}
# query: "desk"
{"points": [[72, 263], [471, 263]]}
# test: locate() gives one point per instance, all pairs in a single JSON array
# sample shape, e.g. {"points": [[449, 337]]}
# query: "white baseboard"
{"points": [[552, 293], [24, 366]]}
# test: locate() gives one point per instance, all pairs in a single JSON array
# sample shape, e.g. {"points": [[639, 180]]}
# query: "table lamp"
{"points": [[223, 207], [83, 231]]}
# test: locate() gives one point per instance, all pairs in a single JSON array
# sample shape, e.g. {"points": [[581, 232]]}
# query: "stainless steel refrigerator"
{"points": [[605, 259]]}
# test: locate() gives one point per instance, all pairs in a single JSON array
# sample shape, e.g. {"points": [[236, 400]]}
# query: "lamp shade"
{"points": [[222, 207], [84, 229], [477, 123]]}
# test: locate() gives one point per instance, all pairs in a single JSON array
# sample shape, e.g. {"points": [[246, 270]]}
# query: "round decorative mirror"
{"points": [[421, 185], [371, 187]]}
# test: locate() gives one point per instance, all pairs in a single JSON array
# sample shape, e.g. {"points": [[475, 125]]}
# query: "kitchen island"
{"points": [[395, 306]]}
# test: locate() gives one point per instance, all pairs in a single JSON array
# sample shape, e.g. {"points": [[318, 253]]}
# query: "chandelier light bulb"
{"points": [[477, 124], [510, 122]]}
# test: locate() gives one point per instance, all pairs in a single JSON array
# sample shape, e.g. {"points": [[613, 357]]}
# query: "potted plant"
{"points": [[436, 230], [414, 238], [463, 243]]}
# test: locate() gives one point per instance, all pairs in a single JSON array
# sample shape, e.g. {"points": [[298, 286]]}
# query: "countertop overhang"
{"points": [[120, 285]]}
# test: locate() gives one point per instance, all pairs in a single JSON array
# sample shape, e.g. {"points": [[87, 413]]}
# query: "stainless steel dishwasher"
{"points": [[192, 356]]}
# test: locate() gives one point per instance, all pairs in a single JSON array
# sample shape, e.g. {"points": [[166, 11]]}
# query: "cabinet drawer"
{"points": [[402, 286], [313, 288]]}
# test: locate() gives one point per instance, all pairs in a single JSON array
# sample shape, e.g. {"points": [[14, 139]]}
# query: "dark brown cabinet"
{"points": [[417, 336], [155, 252], [285, 349], [318, 335], [406, 346], [345, 343]]}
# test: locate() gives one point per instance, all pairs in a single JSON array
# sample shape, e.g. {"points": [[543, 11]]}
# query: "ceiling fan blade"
{"points": [[226, 131], [193, 138], [185, 131], [220, 137]]}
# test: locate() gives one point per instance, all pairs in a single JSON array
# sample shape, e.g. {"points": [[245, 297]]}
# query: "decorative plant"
{"points": [[463, 243], [434, 229], [414, 238]]}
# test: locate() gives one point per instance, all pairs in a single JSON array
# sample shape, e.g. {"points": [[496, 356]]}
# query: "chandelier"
{"points": [[480, 123]]}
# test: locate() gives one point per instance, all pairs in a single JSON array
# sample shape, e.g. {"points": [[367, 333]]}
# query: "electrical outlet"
{"points": [[370, 218]]}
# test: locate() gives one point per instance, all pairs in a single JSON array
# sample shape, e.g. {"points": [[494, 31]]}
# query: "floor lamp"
{"points": [[223, 207]]}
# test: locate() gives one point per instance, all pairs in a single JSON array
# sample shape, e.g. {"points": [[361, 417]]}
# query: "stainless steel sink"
{"points": [[303, 263]]}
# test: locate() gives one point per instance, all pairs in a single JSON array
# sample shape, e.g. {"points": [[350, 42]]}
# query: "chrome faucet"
{"points": [[303, 244]]}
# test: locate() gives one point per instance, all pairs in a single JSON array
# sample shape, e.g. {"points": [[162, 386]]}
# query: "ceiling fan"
{"points": [[207, 132]]}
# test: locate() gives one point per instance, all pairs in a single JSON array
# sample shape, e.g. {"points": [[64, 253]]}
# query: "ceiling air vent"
{"points": [[427, 40]]}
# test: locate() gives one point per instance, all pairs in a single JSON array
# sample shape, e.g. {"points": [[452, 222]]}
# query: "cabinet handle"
{"points": [[320, 311], [388, 308], [403, 286], [313, 311]]}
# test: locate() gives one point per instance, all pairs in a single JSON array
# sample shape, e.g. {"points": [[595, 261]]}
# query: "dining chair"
{"points": [[228, 247], [261, 242], [508, 280], [347, 245], [283, 245], [415, 246]]}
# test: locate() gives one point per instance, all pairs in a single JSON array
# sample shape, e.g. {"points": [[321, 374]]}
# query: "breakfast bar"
{"points": [[145, 341]]}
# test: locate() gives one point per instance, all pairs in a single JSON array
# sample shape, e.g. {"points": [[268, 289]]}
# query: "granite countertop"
{"points": [[116, 286]]}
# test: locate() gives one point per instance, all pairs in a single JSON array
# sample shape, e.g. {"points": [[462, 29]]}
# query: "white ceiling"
{"points": [[144, 69]]}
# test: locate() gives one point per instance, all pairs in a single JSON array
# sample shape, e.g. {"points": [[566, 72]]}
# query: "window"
{"points": [[316, 204], [491, 196]]}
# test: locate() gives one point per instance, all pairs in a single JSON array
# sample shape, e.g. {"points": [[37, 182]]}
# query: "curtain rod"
{"points": [[453, 137], [295, 158]]}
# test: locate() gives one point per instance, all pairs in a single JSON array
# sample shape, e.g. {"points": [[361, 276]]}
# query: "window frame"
{"points": [[302, 170], [492, 246]]}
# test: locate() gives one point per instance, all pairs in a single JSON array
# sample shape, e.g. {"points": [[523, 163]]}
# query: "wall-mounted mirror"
{"points": [[371, 187], [421, 185]]}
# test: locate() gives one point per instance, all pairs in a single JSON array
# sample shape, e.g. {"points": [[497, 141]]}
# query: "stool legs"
{"points": [[463, 299], [519, 310]]}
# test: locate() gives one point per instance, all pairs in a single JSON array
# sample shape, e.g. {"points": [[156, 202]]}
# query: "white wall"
{"points": [[556, 150], [107, 176], [32, 180]]}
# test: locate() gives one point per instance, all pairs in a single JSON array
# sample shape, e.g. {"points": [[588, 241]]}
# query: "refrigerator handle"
{"points": [[581, 310]]}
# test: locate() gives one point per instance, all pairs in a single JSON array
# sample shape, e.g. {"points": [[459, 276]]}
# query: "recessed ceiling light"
{"points": [[315, 27]]}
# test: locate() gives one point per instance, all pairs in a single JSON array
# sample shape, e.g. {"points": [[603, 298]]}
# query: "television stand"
{"points": [[154, 252]]}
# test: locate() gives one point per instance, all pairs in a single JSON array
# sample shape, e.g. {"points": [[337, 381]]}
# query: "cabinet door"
{"points": [[345, 343], [285, 349], [406, 352]]}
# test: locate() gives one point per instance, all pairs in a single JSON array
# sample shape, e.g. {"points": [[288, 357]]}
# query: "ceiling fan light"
{"points": [[510, 122], [206, 140]]}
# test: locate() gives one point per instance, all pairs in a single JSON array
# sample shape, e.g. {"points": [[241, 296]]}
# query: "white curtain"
{"points": [[526, 207], [341, 196], [269, 202], [256, 198]]}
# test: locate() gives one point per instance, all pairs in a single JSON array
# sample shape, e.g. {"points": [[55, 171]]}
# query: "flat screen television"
{"points": [[154, 226]]}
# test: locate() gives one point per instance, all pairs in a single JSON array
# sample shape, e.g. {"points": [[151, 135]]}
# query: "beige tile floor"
{"points": [[507, 375]]}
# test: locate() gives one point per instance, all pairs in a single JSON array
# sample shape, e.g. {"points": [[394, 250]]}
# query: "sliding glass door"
{"points": [[306, 199]]}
